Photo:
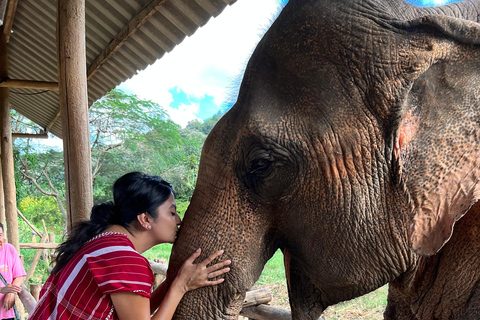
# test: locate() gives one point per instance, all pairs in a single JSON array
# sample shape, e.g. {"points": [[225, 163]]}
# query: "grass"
{"points": [[367, 307]]}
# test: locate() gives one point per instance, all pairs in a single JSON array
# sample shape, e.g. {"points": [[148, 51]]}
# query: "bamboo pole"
{"points": [[74, 108]]}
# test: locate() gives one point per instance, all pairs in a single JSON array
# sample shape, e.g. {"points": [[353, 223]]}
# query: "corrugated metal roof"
{"points": [[33, 56]]}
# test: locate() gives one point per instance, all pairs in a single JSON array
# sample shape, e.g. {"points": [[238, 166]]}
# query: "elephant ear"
{"points": [[437, 141]]}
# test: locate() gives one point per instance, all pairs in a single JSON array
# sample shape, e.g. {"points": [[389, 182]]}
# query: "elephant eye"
{"points": [[259, 166]]}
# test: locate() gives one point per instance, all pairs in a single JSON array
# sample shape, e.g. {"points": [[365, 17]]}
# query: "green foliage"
{"points": [[36, 209]]}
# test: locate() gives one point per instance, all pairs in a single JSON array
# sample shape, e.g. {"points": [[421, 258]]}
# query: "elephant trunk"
{"points": [[242, 237]]}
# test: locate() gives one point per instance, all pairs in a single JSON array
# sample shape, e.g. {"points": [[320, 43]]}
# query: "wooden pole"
{"points": [[3, 220], [74, 108], [7, 152]]}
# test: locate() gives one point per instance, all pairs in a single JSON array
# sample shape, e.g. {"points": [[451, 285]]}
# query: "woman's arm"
{"points": [[190, 276]]}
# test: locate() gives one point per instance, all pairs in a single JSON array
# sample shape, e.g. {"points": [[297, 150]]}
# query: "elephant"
{"points": [[353, 147]]}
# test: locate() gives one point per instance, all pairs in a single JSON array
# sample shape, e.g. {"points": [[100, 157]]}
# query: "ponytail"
{"points": [[103, 216]]}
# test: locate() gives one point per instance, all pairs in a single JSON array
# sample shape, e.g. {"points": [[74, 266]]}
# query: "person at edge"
{"points": [[99, 272], [13, 272]]}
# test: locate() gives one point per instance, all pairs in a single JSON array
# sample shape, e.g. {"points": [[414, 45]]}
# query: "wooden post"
{"points": [[7, 152], [72, 82], [3, 220], [36, 257]]}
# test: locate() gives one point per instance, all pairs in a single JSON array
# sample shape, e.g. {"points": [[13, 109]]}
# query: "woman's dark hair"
{"points": [[133, 194]]}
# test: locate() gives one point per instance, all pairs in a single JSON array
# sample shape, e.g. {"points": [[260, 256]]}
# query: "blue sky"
{"points": [[201, 75]]}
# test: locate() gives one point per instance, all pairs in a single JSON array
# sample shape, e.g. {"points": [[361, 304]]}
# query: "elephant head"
{"points": [[353, 147]]}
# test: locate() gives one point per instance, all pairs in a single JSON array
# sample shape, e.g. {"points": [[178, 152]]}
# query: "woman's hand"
{"points": [[10, 288], [192, 276]]}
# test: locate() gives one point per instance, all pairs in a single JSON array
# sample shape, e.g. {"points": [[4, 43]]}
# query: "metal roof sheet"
{"points": [[33, 55]]}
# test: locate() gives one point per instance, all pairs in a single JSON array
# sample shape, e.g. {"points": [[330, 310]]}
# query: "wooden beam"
{"points": [[30, 135], [49, 127], [124, 35], [72, 80], [9, 17], [29, 84]]}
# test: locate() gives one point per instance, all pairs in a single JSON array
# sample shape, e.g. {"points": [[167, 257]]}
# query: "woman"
{"points": [[99, 272]]}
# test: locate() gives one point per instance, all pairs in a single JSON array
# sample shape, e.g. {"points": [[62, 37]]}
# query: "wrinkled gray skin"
{"points": [[353, 147]]}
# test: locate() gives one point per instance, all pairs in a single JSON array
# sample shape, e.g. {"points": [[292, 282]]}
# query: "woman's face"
{"points": [[166, 225]]}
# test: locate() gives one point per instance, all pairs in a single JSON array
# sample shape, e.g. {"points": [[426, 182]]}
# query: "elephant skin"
{"points": [[354, 148]]}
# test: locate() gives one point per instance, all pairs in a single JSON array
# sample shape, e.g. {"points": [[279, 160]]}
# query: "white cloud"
{"points": [[208, 61], [184, 113]]}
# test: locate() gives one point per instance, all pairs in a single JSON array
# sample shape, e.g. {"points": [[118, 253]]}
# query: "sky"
{"points": [[202, 74]]}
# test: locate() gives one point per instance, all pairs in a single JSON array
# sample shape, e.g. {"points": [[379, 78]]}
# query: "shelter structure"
{"points": [[58, 57]]}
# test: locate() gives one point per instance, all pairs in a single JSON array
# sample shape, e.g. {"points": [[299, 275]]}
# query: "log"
{"points": [[158, 268], [263, 312], [159, 278], [256, 297]]}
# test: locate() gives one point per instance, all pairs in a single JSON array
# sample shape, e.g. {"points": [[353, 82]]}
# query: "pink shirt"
{"points": [[11, 267]]}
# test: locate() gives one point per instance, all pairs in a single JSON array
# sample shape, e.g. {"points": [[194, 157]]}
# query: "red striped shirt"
{"points": [[106, 264]]}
